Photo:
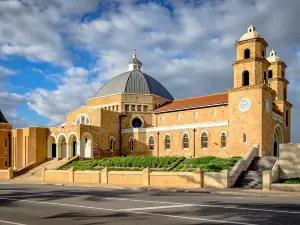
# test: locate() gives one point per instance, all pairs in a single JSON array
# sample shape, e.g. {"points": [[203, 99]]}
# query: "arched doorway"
{"points": [[277, 140], [87, 145], [72, 145], [62, 146], [51, 147]]}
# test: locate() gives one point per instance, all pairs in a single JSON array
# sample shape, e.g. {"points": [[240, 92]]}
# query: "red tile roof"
{"points": [[194, 102]]}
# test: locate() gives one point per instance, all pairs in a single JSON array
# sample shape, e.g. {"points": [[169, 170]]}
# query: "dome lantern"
{"points": [[273, 56], [251, 33], [134, 64]]}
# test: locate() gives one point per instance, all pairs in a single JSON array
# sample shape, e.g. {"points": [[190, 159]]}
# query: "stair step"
{"points": [[252, 178]]}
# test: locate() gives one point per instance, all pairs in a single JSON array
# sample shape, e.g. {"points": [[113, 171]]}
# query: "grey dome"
{"points": [[134, 82]]}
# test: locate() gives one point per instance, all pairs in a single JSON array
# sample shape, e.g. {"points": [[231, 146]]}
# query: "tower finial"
{"points": [[134, 53]]}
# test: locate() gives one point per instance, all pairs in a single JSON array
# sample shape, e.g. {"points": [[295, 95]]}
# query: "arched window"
{"points": [[214, 113], [185, 141], [246, 78], [270, 74], [244, 138], [247, 53], [284, 94], [178, 117], [263, 53], [83, 119], [111, 144], [287, 118], [196, 115], [167, 142], [204, 140], [223, 140], [131, 144], [265, 78], [151, 143]]}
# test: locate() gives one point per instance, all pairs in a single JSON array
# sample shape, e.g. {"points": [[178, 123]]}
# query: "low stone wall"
{"points": [[216, 180], [58, 176], [93, 177], [125, 177], [289, 160], [286, 187], [6, 174], [195, 179], [176, 179]]}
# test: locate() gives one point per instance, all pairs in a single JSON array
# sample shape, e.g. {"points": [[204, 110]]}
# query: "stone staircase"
{"points": [[36, 172], [252, 178]]}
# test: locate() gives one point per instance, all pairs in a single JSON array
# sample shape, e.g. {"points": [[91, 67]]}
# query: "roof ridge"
{"points": [[199, 96]]}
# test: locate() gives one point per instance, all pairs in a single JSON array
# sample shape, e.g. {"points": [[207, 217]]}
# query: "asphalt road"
{"points": [[61, 205]]}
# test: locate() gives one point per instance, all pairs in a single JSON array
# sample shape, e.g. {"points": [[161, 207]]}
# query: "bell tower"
{"points": [[279, 83], [250, 99], [251, 66]]}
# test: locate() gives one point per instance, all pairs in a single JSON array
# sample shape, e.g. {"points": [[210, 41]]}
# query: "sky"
{"points": [[56, 54]]}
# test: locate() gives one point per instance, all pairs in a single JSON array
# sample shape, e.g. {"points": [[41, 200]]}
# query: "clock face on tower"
{"points": [[244, 105]]}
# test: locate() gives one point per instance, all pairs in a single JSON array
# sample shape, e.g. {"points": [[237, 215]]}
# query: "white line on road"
{"points": [[8, 222], [179, 203], [158, 207], [132, 212]]}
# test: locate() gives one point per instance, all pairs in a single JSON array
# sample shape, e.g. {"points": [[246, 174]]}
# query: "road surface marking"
{"points": [[177, 203], [132, 212], [8, 222], [158, 207]]}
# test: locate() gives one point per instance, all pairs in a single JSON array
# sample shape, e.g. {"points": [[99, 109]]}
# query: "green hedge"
{"points": [[292, 181], [207, 164], [158, 163]]}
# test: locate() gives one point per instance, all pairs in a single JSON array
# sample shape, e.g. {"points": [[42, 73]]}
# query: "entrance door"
{"points": [[275, 149], [74, 148], [54, 150]]}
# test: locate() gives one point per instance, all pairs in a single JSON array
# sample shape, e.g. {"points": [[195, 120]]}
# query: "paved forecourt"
{"points": [[38, 204]]}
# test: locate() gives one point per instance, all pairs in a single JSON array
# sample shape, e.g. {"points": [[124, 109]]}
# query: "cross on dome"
{"points": [[134, 64], [251, 28]]}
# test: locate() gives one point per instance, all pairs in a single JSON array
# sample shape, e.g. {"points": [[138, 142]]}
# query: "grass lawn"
{"points": [[292, 181], [138, 163], [207, 164], [127, 163]]}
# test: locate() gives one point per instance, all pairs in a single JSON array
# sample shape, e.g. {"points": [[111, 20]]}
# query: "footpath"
{"points": [[215, 191]]}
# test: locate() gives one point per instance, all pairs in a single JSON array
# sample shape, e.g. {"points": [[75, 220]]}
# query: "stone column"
{"points": [[146, 176], [68, 149], [78, 146], [71, 175], [104, 176], [58, 150], [198, 177], [266, 181]]}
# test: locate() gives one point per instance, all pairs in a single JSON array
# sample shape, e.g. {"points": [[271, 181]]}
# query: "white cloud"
{"points": [[6, 72], [73, 90], [189, 50]]}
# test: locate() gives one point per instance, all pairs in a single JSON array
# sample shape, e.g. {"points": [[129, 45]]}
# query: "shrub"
{"points": [[166, 163], [292, 181], [207, 164]]}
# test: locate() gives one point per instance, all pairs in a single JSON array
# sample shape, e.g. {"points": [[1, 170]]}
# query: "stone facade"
{"points": [[255, 111]]}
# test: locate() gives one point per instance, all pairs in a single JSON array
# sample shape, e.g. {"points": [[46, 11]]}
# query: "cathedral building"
{"points": [[134, 114]]}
